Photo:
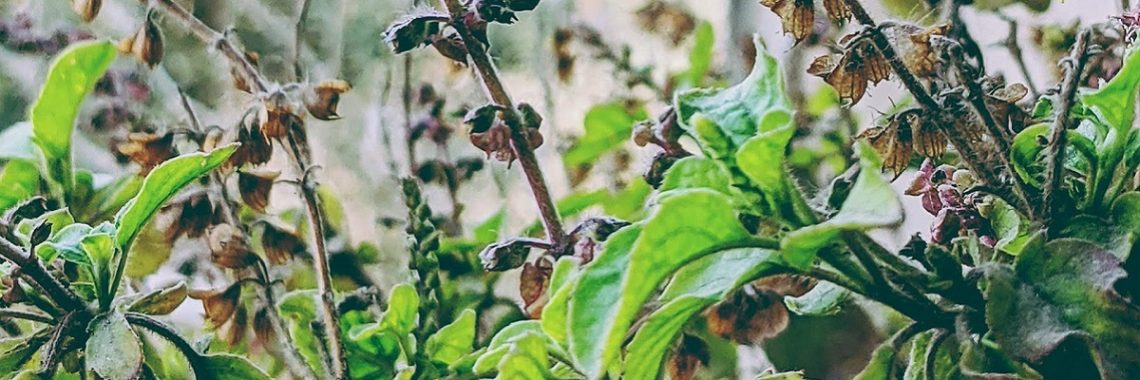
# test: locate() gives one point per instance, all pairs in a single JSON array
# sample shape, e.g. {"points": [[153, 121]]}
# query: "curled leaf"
{"points": [[414, 30], [219, 305]]}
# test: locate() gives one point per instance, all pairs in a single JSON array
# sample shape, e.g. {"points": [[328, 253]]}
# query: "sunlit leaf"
{"points": [[113, 350], [454, 340], [825, 299], [608, 126]]}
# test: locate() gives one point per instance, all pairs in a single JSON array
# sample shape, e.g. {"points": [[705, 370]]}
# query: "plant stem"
{"points": [[30, 266], [299, 32], [28, 316], [1055, 153], [497, 93], [330, 322], [145, 321], [1019, 56]]}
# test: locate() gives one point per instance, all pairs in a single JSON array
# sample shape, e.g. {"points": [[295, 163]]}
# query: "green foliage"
{"points": [[19, 180], [228, 367], [824, 299], [453, 341], [72, 75], [113, 350], [607, 126]]}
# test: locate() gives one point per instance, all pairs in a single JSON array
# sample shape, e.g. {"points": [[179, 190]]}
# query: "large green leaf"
{"points": [[100, 249], [526, 359], [162, 183], [454, 340], [228, 367], [15, 352], [608, 126], [612, 288], [1058, 309], [737, 110], [1115, 101], [694, 288], [403, 309], [113, 350], [824, 299], [871, 204], [72, 76], [19, 181], [696, 172]]}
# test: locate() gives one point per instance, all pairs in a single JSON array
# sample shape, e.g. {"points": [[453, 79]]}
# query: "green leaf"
{"points": [[161, 301], [696, 172], [150, 250], [736, 111], [526, 359], [299, 304], [15, 352], [65, 244], [879, 368], [71, 77], [1027, 155], [503, 341], [16, 143], [113, 350], [635, 261], [761, 158], [823, 300], [100, 249], [1058, 308], [700, 57], [871, 204], [608, 126], [403, 310], [453, 341], [19, 181], [163, 182], [228, 367], [1115, 101], [693, 288]]}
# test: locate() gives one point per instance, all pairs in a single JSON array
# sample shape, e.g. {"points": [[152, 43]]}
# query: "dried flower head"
{"points": [[255, 149], [690, 354], [263, 326], [322, 99], [145, 44], [563, 54], [414, 30], [798, 16], [904, 133], [229, 247], [280, 244], [278, 116], [256, 187], [850, 72], [219, 305], [505, 255], [235, 330], [670, 19], [533, 282], [919, 56], [837, 10], [193, 214], [148, 150]]}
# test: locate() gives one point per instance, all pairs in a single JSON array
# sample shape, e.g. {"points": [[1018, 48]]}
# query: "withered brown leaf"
{"points": [[798, 16], [920, 57], [148, 150], [894, 144], [255, 188], [280, 244]]}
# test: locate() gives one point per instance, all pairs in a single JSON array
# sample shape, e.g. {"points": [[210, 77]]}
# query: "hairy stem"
{"points": [[153, 325], [1055, 153], [497, 93], [1018, 55], [31, 267], [25, 315]]}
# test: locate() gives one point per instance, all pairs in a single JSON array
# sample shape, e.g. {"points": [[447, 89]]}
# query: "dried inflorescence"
{"points": [[146, 44], [956, 214], [903, 134], [148, 149], [849, 73]]}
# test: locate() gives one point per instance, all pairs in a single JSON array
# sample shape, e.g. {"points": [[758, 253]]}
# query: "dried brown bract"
{"points": [[798, 16], [849, 73], [670, 19], [280, 244], [905, 133], [322, 99], [255, 148], [219, 305], [145, 44], [87, 9], [148, 149], [192, 216], [414, 30], [837, 10], [920, 57], [566, 58], [1002, 103], [255, 188], [278, 117], [229, 247], [240, 81], [533, 282], [263, 326], [749, 316], [235, 330]]}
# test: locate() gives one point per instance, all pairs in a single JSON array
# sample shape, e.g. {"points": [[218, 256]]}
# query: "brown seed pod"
{"points": [[262, 326], [219, 306], [280, 245], [229, 247], [193, 214], [278, 117], [849, 73], [255, 188], [749, 316], [87, 9], [322, 100], [145, 44], [148, 150], [798, 16]]}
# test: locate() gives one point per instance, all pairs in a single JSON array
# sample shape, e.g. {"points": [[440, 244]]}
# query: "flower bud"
{"points": [[255, 188], [145, 44], [87, 9], [322, 100]]}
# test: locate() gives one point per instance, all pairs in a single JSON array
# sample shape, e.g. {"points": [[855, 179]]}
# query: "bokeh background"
{"points": [[362, 155]]}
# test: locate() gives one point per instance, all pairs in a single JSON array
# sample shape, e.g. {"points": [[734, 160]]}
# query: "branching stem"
{"points": [[1055, 153]]}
